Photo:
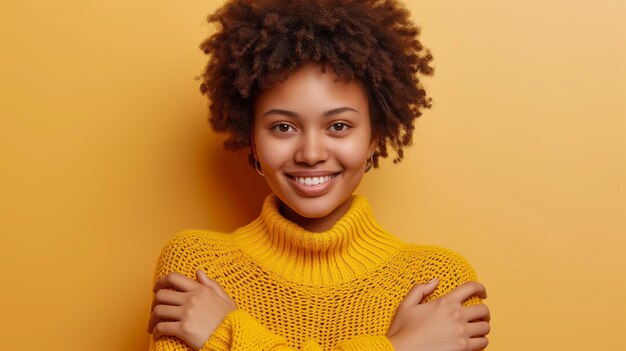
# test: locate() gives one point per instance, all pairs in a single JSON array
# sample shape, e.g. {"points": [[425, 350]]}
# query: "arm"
{"points": [[241, 332], [451, 270], [202, 326], [446, 313], [222, 326]]}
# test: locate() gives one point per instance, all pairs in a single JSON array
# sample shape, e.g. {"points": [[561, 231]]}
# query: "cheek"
{"points": [[352, 155], [358, 147], [271, 152]]}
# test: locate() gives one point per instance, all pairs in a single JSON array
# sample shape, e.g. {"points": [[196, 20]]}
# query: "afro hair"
{"points": [[259, 42]]}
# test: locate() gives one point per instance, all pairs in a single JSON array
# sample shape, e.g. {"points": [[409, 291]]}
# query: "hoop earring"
{"points": [[369, 163], [257, 166]]}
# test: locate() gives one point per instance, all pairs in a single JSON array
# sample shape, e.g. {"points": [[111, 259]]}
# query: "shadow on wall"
{"points": [[236, 191]]}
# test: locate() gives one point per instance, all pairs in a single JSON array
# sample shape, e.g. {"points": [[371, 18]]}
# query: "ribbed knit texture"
{"points": [[295, 289]]}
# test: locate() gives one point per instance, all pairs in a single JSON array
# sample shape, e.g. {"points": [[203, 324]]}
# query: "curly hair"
{"points": [[259, 42]]}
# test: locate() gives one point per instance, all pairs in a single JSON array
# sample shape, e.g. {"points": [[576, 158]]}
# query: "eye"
{"points": [[339, 127], [282, 128]]}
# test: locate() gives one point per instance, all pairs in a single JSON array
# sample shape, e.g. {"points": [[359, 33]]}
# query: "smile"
{"points": [[312, 185], [313, 180]]}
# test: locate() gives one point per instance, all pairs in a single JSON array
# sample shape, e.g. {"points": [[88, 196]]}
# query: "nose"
{"points": [[311, 149]]}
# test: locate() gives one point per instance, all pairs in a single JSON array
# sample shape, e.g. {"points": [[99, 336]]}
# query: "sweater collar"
{"points": [[355, 245]]}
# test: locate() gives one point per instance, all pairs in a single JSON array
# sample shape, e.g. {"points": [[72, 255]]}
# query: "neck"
{"points": [[354, 245]]}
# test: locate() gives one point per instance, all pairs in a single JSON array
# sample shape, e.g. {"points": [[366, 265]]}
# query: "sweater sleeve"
{"points": [[241, 332], [452, 270]]}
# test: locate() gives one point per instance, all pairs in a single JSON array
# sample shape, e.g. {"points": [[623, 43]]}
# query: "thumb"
{"points": [[418, 292]]}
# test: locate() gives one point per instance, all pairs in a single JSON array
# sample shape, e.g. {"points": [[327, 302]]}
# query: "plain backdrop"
{"points": [[106, 153]]}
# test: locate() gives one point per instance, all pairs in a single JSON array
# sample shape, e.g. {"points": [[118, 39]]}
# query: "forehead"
{"points": [[308, 88]]}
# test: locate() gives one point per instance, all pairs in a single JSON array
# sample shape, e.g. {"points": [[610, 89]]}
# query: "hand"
{"points": [[442, 324], [187, 309]]}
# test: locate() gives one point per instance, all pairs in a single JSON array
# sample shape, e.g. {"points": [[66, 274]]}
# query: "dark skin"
{"points": [[259, 44], [192, 309], [188, 309]]}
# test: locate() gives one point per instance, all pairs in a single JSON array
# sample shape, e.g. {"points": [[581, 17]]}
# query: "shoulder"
{"points": [[192, 248], [441, 260], [192, 239], [430, 262]]}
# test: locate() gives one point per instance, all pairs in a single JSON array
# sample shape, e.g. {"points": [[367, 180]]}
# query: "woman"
{"points": [[317, 90]]}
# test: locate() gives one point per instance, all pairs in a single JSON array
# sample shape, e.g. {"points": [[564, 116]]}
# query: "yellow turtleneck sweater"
{"points": [[334, 290]]}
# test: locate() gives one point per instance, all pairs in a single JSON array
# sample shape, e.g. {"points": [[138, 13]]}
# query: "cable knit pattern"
{"points": [[295, 289]]}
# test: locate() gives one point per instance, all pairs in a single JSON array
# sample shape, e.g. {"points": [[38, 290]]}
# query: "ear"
{"points": [[252, 146], [373, 143]]}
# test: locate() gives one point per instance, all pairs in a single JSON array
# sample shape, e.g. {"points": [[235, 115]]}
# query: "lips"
{"points": [[312, 183]]}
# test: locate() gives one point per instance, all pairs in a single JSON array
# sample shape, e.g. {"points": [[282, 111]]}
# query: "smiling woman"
{"points": [[317, 90], [313, 151]]}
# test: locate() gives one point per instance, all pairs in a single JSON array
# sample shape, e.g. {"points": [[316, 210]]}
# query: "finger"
{"points": [[479, 343], [168, 297], [418, 292], [166, 328], [206, 281], [478, 312], [478, 329], [163, 313], [466, 290], [174, 280]]}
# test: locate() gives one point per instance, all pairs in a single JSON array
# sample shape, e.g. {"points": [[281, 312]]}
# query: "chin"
{"points": [[313, 207], [312, 213], [317, 207]]}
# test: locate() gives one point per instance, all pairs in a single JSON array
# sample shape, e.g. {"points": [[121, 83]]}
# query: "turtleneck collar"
{"points": [[355, 245]]}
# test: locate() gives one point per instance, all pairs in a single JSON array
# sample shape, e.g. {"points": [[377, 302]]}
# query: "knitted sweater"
{"points": [[300, 290]]}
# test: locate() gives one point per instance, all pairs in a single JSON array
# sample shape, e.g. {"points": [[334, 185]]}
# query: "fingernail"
{"points": [[432, 281]]}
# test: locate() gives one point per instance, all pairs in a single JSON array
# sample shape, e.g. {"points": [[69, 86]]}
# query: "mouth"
{"points": [[312, 181], [311, 186]]}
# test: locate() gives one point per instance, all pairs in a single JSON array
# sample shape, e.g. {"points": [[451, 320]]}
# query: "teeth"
{"points": [[311, 181]]}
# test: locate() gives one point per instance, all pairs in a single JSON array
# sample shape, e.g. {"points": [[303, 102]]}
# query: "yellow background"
{"points": [[106, 153]]}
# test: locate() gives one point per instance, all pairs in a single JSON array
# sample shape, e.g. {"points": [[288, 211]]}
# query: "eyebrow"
{"points": [[335, 111]]}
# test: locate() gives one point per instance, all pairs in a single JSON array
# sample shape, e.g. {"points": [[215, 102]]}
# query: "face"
{"points": [[312, 137]]}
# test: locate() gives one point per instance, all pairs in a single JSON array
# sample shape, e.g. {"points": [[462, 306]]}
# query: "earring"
{"points": [[369, 163], [257, 166]]}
